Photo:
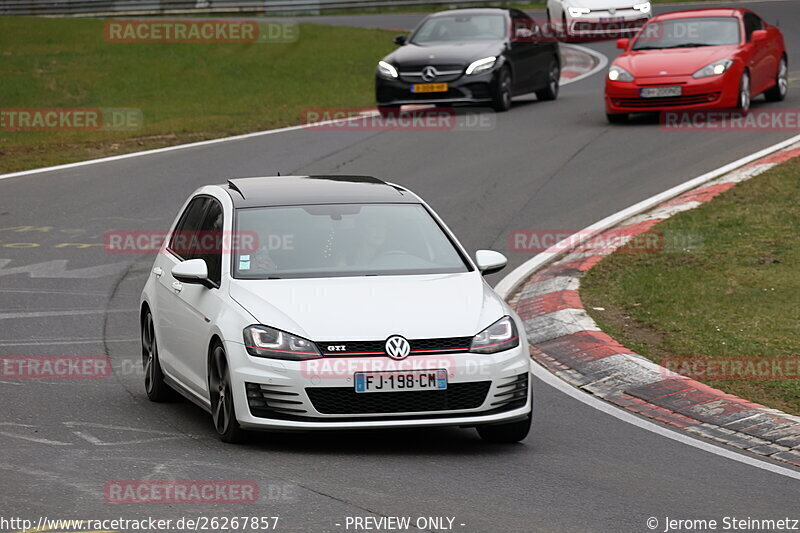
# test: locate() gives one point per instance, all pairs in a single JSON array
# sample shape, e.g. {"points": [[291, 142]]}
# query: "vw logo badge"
{"points": [[429, 74], [612, 10], [397, 347]]}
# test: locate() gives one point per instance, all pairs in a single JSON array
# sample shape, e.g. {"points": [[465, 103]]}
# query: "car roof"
{"points": [[473, 11], [693, 13], [272, 191]]}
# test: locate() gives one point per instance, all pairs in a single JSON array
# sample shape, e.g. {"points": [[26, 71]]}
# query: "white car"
{"points": [[304, 303], [598, 18]]}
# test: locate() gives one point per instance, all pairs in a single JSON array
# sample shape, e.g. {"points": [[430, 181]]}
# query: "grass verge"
{"points": [[186, 92], [733, 296]]}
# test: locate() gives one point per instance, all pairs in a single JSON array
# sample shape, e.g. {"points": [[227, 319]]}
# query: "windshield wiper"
{"points": [[684, 45], [688, 45]]}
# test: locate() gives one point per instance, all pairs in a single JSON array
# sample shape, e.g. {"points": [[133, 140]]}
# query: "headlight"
{"points": [[616, 73], [500, 336], [263, 341], [644, 8], [386, 70], [481, 65], [714, 69], [578, 11]]}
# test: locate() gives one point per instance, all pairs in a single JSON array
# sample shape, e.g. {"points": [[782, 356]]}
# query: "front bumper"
{"points": [[296, 387], [603, 24], [706, 93], [476, 88]]}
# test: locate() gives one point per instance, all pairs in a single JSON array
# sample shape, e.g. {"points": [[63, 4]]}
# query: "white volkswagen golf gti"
{"points": [[330, 302], [598, 18]]}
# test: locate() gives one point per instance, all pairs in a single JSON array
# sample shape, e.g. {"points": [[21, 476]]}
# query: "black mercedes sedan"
{"points": [[469, 56]]}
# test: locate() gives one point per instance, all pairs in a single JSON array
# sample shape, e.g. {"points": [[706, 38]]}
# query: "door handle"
{"points": [[158, 271], [177, 286]]}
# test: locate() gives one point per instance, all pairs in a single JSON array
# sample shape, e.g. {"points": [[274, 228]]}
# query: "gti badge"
{"points": [[397, 347]]}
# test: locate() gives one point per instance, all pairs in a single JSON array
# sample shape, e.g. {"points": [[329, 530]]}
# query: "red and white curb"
{"points": [[567, 342], [578, 62]]}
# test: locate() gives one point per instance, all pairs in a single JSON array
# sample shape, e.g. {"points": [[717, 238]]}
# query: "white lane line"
{"points": [[43, 314], [602, 62], [513, 280], [626, 416], [91, 340], [172, 148]]}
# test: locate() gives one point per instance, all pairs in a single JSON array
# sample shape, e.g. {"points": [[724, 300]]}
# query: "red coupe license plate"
{"points": [[661, 92]]}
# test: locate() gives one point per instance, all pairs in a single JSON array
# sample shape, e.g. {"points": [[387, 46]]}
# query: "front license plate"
{"points": [[410, 380], [661, 92], [429, 88]]}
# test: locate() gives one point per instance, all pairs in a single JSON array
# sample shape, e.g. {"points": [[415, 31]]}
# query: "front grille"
{"points": [[513, 393], [672, 101], [440, 78], [373, 348], [445, 73], [345, 400], [609, 26], [273, 401]]}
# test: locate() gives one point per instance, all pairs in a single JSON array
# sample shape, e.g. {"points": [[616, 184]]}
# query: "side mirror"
{"points": [[622, 44], [759, 36], [489, 261], [400, 40], [192, 271]]}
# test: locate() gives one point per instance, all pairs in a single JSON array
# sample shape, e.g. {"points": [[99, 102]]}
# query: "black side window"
{"points": [[751, 24], [186, 230], [210, 243]]}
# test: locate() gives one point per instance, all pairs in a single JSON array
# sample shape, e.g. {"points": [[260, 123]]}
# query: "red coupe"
{"points": [[699, 59]]}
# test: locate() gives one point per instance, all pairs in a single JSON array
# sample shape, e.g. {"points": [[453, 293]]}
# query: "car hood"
{"points": [[677, 62], [444, 54], [372, 308]]}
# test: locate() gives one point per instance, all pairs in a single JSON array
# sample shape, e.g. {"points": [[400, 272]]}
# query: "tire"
{"points": [[506, 433], [745, 96], [223, 410], [501, 94], [389, 110], [154, 385], [617, 118], [553, 76], [781, 88]]}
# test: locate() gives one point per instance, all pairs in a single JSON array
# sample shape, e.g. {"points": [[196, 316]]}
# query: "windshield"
{"points": [[453, 28], [688, 33], [343, 240]]}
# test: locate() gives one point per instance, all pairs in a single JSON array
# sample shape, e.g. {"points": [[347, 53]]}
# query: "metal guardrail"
{"points": [[85, 8]]}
